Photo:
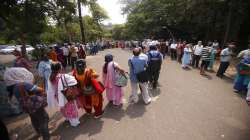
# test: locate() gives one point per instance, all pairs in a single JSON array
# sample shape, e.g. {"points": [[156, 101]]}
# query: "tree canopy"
{"points": [[223, 20]]}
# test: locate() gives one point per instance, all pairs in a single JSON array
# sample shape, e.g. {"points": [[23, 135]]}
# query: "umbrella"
{"points": [[16, 75]]}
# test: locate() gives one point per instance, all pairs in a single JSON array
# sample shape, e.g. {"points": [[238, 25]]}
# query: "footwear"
{"points": [[148, 103], [98, 116]]}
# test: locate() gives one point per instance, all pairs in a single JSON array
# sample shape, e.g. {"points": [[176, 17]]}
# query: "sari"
{"points": [[87, 102]]}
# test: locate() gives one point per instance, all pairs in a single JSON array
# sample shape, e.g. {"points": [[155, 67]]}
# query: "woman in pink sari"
{"points": [[114, 93]]}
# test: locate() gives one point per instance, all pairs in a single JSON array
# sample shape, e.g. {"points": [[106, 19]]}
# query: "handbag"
{"points": [[88, 90], [31, 102], [69, 92], [142, 76], [121, 79]]}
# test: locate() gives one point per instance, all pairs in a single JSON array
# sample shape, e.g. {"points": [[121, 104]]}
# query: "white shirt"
{"points": [[226, 55], [65, 51], [173, 46], [198, 49], [144, 56]]}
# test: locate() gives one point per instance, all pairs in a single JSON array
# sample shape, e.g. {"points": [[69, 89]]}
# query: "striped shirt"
{"points": [[206, 53]]}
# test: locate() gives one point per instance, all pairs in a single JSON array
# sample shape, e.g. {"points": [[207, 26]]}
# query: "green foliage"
{"points": [[190, 19], [24, 20]]}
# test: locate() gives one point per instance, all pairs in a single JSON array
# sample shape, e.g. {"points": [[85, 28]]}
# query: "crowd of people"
{"points": [[82, 88], [204, 57]]}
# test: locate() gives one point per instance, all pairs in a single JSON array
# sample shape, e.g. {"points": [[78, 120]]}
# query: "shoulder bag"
{"points": [[70, 92]]}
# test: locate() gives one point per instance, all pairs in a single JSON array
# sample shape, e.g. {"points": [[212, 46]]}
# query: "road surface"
{"points": [[186, 106]]}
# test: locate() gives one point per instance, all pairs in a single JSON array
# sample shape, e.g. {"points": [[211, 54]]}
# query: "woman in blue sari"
{"points": [[243, 75]]}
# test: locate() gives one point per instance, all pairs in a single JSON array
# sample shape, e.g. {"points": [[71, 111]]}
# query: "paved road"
{"points": [[186, 106]]}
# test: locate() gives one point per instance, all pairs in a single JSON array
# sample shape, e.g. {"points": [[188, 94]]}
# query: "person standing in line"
{"points": [[38, 115], [244, 53], [73, 52], [82, 52], [167, 47], [21, 61], [84, 76], [213, 58], [44, 70], [60, 56], [113, 92], [243, 75], [142, 54], [186, 59], [65, 50], [55, 97], [173, 52], [197, 54], [52, 54], [225, 58], [155, 59], [163, 48], [205, 57], [137, 65], [179, 51]]}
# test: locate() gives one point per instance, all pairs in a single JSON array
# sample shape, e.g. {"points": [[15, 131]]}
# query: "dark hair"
{"points": [[55, 68], [108, 58], [136, 52]]}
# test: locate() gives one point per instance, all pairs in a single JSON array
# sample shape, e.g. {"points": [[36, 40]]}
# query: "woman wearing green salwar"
{"points": [[213, 57]]}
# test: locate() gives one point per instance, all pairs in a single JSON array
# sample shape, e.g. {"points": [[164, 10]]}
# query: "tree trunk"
{"points": [[228, 24], [80, 21]]}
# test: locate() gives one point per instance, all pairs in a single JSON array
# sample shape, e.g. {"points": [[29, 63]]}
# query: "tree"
{"points": [[188, 19], [24, 20]]}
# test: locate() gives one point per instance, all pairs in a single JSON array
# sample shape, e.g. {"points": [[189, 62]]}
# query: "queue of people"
{"points": [[80, 88]]}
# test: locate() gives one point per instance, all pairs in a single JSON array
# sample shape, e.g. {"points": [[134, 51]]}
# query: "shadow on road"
{"points": [[136, 110], [209, 77], [114, 112], [89, 126]]}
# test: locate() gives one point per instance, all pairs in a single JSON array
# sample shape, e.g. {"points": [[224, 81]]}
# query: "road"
{"points": [[186, 106]]}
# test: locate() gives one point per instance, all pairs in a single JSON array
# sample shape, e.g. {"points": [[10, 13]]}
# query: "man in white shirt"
{"points": [[66, 58], [225, 57], [173, 52], [197, 54]]}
